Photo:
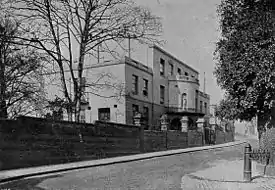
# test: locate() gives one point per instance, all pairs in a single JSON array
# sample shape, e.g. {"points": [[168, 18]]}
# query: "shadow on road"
{"points": [[27, 184]]}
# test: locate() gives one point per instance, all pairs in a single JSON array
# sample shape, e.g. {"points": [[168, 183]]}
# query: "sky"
{"points": [[190, 29]]}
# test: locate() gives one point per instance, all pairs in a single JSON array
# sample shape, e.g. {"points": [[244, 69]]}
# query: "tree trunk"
{"points": [[261, 124], [3, 105]]}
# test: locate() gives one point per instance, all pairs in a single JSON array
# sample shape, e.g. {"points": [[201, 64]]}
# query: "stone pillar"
{"points": [[200, 125], [184, 124], [138, 122], [164, 123], [212, 123]]}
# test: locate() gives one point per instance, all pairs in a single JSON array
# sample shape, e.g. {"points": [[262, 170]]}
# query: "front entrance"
{"points": [[176, 124]]}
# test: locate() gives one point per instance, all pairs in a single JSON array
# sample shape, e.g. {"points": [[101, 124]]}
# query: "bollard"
{"points": [[247, 163]]}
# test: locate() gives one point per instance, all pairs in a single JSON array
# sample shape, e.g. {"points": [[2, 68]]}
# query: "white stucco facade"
{"points": [[118, 87]]}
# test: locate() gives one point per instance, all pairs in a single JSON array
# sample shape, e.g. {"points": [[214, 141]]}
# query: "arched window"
{"points": [[183, 101]]}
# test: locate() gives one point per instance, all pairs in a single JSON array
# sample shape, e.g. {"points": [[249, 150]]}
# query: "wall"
{"points": [[223, 136], [105, 85], [143, 72], [29, 142], [195, 138], [205, 98], [161, 140], [182, 86], [110, 97]]}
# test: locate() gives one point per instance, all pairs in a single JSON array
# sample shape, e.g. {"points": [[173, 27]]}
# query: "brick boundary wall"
{"points": [[28, 142]]}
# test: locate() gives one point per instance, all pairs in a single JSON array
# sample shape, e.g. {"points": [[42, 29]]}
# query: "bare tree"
{"points": [[69, 30], [20, 66]]}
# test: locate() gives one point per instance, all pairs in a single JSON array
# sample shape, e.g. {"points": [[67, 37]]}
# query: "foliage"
{"points": [[245, 66], [226, 109], [20, 71], [57, 107], [69, 31], [267, 141]]}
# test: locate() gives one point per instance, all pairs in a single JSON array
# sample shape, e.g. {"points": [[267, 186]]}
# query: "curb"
{"points": [[42, 170]]}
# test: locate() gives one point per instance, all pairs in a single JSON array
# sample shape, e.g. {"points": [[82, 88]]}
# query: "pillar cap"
{"points": [[200, 120], [138, 116], [184, 118], [164, 118]]}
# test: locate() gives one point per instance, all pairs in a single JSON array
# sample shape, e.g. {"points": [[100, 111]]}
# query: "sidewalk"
{"points": [[226, 175], [16, 174]]}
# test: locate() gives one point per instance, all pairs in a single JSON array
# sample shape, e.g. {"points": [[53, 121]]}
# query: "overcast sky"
{"points": [[191, 30]]}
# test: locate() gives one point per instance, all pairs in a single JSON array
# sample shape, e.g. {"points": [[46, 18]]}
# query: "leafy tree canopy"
{"points": [[226, 109], [245, 66]]}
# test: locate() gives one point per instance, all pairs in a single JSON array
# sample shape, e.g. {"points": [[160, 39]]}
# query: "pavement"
{"points": [[227, 175], [15, 174], [219, 168]]}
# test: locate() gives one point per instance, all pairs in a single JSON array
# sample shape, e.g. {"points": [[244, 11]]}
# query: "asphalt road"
{"points": [[154, 174]]}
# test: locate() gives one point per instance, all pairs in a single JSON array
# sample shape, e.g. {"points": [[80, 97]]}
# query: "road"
{"points": [[159, 173]]}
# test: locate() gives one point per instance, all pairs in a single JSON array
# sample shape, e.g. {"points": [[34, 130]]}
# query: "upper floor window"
{"points": [[171, 69], [135, 84], [205, 107], [83, 84], [162, 65], [145, 87], [104, 114], [186, 74], [162, 92], [179, 71], [200, 106]]}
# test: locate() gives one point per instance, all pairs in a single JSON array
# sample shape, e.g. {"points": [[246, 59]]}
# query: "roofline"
{"points": [[172, 56], [104, 64], [138, 65]]}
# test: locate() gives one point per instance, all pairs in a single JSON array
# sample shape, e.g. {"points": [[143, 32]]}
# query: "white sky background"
{"points": [[190, 30]]}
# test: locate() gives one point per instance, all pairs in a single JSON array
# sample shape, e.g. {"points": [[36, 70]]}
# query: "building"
{"points": [[164, 85]]}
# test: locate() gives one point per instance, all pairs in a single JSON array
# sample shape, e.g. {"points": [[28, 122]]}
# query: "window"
{"points": [[82, 117], [162, 91], [83, 84], [145, 87], [171, 67], [146, 114], [205, 107], [162, 65], [183, 101], [186, 74], [135, 84], [104, 114], [179, 71], [196, 100], [135, 109], [200, 106]]}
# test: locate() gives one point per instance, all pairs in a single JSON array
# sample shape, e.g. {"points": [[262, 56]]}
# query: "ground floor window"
{"points": [[104, 114], [135, 109], [146, 117]]}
